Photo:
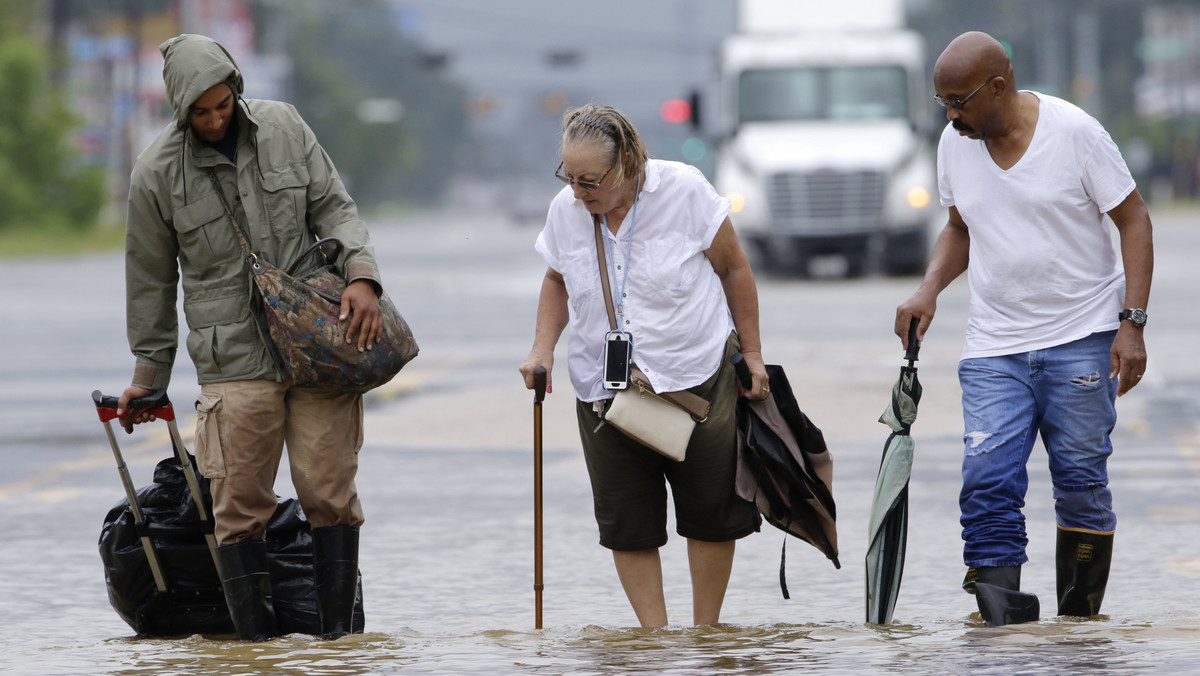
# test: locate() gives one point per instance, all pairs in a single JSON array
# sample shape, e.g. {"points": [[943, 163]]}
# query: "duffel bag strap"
{"points": [[212, 175]]}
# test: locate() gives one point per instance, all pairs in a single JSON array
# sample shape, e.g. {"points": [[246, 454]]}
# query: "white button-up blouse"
{"points": [[674, 305]]}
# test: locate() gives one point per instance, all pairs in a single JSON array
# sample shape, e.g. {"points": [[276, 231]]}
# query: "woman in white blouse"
{"points": [[684, 294]]}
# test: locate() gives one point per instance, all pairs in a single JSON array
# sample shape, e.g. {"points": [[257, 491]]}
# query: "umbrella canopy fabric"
{"points": [[784, 466], [887, 532]]}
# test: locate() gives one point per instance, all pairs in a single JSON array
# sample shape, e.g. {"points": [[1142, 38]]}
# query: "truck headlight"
{"points": [[737, 202], [917, 197]]}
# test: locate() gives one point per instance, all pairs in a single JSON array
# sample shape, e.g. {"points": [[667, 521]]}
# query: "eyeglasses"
{"points": [[959, 103], [590, 186]]}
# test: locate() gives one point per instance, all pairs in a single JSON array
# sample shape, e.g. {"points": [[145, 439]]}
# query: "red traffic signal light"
{"points": [[675, 111]]}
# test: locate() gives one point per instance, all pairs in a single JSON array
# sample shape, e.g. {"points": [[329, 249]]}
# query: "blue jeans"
{"points": [[1064, 393]]}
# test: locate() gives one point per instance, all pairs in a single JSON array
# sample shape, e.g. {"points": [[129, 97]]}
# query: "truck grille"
{"points": [[827, 201]]}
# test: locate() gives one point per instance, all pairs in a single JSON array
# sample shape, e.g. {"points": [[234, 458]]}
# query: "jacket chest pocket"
{"points": [[204, 232], [285, 198]]}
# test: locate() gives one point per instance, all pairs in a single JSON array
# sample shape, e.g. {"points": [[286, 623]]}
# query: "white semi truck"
{"points": [[825, 123]]}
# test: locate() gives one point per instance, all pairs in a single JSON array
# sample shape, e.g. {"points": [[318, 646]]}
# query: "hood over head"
{"points": [[192, 64]]}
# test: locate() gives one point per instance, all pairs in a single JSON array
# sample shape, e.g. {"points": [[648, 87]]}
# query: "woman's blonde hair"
{"points": [[615, 134]]}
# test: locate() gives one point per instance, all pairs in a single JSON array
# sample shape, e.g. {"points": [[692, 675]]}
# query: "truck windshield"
{"points": [[829, 93]]}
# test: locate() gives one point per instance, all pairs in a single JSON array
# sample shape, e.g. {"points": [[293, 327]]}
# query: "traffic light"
{"points": [[675, 111], [678, 111]]}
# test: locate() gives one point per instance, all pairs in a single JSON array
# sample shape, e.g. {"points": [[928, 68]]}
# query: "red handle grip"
{"points": [[156, 404]]}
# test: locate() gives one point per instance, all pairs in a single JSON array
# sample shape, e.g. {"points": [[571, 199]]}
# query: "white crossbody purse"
{"points": [[664, 421]]}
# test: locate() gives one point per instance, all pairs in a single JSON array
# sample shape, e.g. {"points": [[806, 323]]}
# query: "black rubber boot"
{"points": [[1082, 562], [335, 574], [997, 591], [246, 580]]}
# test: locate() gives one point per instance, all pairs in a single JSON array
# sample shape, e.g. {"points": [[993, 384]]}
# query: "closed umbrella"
{"points": [[888, 529]]}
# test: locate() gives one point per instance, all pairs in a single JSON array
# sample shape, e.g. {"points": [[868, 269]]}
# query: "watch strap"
{"points": [[1133, 315]]}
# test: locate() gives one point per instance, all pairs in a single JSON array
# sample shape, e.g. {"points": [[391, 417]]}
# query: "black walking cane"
{"points": [[539, 393]]}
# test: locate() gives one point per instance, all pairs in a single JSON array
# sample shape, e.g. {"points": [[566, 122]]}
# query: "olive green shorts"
{"points": [[629, 480]]}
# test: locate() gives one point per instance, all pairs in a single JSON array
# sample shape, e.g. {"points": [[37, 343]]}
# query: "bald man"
{"points": [[1055, 324]]}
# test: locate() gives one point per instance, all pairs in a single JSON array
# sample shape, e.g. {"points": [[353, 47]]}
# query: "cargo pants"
{"points": [[241, 430]]}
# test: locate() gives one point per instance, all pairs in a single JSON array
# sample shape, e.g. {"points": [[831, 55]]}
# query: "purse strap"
{"points": [[694, 404], [602, 259]]}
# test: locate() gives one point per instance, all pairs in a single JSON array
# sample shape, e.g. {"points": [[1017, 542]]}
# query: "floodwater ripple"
{"points": [[1049, 647]]}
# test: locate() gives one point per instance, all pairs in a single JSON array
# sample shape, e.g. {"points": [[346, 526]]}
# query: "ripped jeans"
{"points": [[1062, 392]]}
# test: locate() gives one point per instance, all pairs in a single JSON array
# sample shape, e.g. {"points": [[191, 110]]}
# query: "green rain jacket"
{"points": [[284, 191]]}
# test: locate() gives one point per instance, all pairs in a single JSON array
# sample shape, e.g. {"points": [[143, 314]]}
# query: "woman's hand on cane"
{"points": [[535, 359]]}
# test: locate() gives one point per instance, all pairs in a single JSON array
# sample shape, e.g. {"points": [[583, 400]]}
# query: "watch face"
{"points": [[1136, 316]]}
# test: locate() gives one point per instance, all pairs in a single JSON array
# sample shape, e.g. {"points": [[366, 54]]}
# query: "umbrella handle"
{"points": [[914, 345], [742, 371]]}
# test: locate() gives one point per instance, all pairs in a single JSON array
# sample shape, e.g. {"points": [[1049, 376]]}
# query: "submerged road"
{"points": [[447, 448]]}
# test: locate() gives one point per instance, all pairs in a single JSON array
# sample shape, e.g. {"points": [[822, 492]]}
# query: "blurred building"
{"points": [[1135, 64], [525, 62], [1167, 98], [1170, 50]]}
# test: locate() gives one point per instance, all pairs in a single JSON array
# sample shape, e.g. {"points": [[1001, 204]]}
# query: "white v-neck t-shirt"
{"points": [[1043, 267], [674, 304]]}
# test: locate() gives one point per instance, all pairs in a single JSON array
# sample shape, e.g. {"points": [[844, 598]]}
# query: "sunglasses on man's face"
{"points": [[590, 186]]}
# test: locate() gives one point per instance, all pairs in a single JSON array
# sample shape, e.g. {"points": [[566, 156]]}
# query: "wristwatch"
{"points": [[1136, 316]]}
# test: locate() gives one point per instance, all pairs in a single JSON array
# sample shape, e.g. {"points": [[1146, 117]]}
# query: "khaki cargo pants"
{"points": [[241, 429]]}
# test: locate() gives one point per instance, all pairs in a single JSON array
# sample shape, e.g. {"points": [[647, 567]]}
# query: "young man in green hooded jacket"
{"points": [[284, 192]]}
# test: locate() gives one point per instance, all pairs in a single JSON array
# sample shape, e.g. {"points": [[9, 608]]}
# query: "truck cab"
{"points": [[826, 149]]}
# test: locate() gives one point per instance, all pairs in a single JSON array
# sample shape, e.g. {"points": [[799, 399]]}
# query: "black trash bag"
{"points": [[193, 602]]}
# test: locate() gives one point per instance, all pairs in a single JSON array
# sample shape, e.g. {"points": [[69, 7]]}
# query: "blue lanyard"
{"points": [[628, 252]]}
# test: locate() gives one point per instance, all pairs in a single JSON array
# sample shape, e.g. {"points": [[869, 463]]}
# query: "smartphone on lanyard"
{"points": [[618, 352]]}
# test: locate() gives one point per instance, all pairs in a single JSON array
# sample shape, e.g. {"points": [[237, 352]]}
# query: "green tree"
{"points": [[16, 16], [40, 184]]}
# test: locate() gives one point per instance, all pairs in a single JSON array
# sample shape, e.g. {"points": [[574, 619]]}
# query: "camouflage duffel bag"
{"points": [[302, 314]]}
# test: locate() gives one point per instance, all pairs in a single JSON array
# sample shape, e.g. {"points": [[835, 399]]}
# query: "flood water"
{"points": [[447, 566], [446, 482]]}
